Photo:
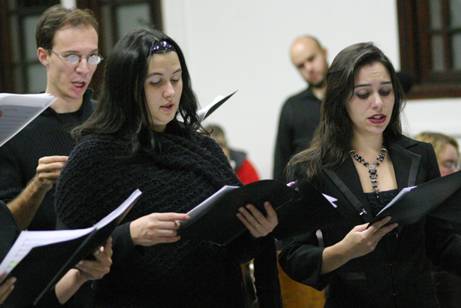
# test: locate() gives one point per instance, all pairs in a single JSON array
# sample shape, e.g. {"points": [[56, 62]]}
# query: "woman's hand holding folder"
{"points": [[360, 241], [156, 228], [258, 224], [84, 271]]}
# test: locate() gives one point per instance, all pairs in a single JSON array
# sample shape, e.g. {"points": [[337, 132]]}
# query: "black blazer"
{"points": [[397, 273]]}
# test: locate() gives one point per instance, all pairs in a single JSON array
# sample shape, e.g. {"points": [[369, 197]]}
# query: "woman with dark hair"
{"points": [[144, 134], [360, 157]]}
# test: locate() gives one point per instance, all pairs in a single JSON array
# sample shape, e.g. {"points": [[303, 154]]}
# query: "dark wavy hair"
{"points": [[331, 143], [122, 110]]}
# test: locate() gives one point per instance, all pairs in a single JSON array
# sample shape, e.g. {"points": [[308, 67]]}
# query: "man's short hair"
{"points": [[58, 17]]}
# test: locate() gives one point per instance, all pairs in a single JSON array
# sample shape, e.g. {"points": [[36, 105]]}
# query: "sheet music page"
{"points": [[401, 193], [208, 201], [217, 101], [119, 210], [27, 240], [18, 110]]}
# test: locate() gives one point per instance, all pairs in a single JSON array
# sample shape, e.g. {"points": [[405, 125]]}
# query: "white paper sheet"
{"points": [[18, 110], [204, 204], [397, 197], [28, 240]]}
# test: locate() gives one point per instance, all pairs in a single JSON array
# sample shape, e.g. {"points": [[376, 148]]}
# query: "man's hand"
{"points": [[48, 170]]}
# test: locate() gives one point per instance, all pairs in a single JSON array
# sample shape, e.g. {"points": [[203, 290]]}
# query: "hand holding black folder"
{"points": [[301, 210], [428, 199], [53, 253]]}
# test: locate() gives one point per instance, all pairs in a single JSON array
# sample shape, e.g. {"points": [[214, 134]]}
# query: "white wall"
{"points": [[243, 45]]}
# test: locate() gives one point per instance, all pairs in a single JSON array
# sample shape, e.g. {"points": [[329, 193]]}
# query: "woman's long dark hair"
{"points": [[122, 110], [331, 143]]}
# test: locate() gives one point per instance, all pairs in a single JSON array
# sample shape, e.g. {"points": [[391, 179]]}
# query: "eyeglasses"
{"points": [[450, 164], [74, 59]]}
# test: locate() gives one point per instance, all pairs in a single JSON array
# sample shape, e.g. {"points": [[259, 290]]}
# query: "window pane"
{"points": [[134, 16], [436, 14], [438, 63], [37, 78], [30, 50], [455, 13], [457, 51]]}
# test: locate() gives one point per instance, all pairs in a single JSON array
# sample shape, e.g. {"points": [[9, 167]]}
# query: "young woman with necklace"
{"points": [[360, 156]]}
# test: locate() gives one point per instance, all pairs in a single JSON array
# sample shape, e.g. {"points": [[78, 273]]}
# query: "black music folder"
{"points": [[300, 209], [439, 197], [38, 259]]}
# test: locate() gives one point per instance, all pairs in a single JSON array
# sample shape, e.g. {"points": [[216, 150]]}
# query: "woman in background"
{"points": [[448, 286]]}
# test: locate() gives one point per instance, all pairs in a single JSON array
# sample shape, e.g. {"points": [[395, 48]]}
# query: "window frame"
{"points": [[416, 52]]}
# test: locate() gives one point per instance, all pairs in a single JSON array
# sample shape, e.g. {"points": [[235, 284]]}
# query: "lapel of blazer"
{"points": [[406, 163], [345, 178]]}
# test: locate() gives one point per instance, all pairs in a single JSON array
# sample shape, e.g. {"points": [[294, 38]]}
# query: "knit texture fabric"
{"points": [[188, 273]]}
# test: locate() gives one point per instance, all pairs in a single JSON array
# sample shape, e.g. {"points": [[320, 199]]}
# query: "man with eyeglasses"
{"points": [[31, 162]]}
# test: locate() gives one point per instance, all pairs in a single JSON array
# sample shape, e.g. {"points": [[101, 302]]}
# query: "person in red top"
{"points": [[241, 165]]}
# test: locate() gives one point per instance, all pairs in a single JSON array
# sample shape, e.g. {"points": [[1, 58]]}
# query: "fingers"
{"points": [[380, 223], [252, 229], [93, 270], [52, 159], [172, 216], [49, 167], [51, 163], [386, 229], [97, 269], [6, 288], [156, 228], [104, 253], [258, 224]]}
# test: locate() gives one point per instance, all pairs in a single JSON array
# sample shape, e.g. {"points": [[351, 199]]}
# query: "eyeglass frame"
{"points": [[87, 58], [450, 164]]}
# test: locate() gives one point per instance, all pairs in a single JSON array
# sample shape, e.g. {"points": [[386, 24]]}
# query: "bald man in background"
{"points": [[299, 118], [300, 114]]}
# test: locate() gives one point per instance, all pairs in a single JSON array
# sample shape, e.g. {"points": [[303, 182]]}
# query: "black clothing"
{"points": [[377, 204], [8, 230], [179, 175], [47, 135], [448, 289], [398, 272], [298, 121]]}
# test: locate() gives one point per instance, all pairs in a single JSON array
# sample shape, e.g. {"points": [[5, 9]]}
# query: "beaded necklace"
{"points": [[372, 167]]}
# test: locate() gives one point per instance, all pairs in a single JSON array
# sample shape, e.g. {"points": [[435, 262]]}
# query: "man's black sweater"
{"points": [[47, 135]]}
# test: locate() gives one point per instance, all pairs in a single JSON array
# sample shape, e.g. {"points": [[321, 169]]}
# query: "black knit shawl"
{"points": [[99, 176]]}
